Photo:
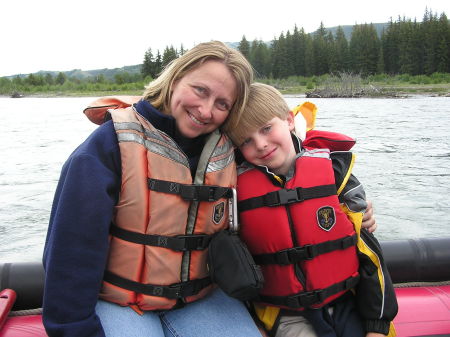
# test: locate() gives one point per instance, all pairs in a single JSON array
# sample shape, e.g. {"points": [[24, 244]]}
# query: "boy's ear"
{"points": [[300, 126], [290, 120]]}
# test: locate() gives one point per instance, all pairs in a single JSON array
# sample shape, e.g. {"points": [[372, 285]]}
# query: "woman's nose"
{"points": [[206, 109]]}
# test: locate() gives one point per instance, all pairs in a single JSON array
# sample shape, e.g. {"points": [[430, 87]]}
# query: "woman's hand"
{"points": [[369, 222]]}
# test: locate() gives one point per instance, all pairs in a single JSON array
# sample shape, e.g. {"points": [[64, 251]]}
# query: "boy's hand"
{"points": [[369, 222]]}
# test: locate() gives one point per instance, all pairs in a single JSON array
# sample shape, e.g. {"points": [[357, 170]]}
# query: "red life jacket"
{"points": [[305, 244]]}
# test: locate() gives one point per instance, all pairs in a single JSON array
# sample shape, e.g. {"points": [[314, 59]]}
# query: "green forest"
{"points": [[405, 51]]}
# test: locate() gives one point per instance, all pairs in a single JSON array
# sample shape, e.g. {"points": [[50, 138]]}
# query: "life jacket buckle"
{"points": [[197, 192], [310, 298], [311, 252], [287, 196], [194, 242]]}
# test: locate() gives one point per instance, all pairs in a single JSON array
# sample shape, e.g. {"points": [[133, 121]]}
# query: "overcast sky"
{"points": [[61, 35]]}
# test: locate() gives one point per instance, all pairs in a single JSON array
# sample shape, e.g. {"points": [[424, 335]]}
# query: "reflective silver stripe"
{"points": [[317, 153], [223, 149], [217, 165], [220, 164], [129, 126], [130, 137], [157, 147]]}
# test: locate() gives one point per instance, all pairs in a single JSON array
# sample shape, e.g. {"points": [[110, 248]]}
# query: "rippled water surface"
{"points": [[403, 159]]}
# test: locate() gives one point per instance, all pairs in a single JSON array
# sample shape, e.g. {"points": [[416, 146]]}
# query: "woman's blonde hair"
{"points": [[159, 91], [264, 103]]}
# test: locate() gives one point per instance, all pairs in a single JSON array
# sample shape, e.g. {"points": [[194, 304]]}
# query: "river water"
{"points": [[403, 160]]}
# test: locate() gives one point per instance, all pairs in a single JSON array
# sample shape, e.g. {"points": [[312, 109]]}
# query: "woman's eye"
{"points": [[200, 90], [223, 106], [266, 129]]}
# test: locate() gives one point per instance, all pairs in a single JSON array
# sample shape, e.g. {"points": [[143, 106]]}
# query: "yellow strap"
{"points": [[347, 175], [392, 332], [267, 315]]}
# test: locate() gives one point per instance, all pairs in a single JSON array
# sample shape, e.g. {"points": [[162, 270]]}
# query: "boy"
{"points": [[300, 214]]}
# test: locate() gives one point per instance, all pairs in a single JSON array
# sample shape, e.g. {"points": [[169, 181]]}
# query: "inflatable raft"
{"points": [[420, 270]]}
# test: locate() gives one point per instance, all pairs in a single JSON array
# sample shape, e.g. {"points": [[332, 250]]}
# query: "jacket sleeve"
{"points": [[375, 296], [76, 246]]}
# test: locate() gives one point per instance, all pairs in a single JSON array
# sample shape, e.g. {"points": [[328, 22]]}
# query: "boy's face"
{"points": [[271, 145]]}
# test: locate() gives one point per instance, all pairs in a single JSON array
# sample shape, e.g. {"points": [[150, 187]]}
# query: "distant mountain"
{"points": [[83, 74], [348, 29], [135, 69]]}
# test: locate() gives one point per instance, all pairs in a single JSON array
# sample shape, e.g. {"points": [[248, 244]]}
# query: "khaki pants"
{"points": [[295, 326]]}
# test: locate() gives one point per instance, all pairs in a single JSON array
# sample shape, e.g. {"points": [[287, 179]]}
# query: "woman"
{"points": [[137, 203]]}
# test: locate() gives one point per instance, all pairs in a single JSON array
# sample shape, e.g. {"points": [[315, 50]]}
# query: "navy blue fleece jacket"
{"points": [[76, 247]]}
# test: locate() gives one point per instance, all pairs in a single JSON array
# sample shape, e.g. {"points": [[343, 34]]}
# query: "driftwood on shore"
{"points": [[16, 94], [345, 85]]}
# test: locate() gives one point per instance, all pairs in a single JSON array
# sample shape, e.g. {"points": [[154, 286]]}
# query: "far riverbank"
{"points": [[342, 85], [383, 91]]}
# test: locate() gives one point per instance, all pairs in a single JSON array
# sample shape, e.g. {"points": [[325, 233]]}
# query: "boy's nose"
{"points": [[260, 143]]}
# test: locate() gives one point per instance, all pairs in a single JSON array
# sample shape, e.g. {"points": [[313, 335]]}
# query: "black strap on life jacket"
{"points": [[178, 243], [309, 298], [193, 192], [306, 252], [173, 291], [287, 196]]}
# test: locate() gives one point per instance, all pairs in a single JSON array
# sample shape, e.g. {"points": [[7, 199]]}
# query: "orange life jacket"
{"points": [[164, 218], [304, 242]]}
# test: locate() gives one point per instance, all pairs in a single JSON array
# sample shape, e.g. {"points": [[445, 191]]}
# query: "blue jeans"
{"points": [[217, 315]]}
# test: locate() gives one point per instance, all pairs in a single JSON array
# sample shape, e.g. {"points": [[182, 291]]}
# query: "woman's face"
{"points": [[202, 99]]}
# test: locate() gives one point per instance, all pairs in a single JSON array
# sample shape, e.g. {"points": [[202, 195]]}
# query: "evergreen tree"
{"points": [[443, 45], [48, 79], [321, 51], [244, 47], [298, 49], [169, 55], [430, 42], [364, 49], [341, 51], [158, 63], [148, 66], [310, 67], [182, 50], [281, 63], [331, 47], [390, 42], [61, 78], [260, 59]]}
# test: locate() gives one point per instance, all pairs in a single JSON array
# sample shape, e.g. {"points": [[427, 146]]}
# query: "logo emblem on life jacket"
{"points": [[326, 218], [219, 211]]}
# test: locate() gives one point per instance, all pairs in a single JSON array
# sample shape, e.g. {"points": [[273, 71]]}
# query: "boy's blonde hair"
{"points": [[264, 103], [159, 91]]}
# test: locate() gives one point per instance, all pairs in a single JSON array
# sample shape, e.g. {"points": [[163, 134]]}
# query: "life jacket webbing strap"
{"points": [[287, 196], [173, 291], [193, 192], [310, 298], [177, 243], [306, 252]]}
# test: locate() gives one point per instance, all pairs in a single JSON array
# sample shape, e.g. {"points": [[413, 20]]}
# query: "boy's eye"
{"points": [[245, 142], [266, 129]]}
